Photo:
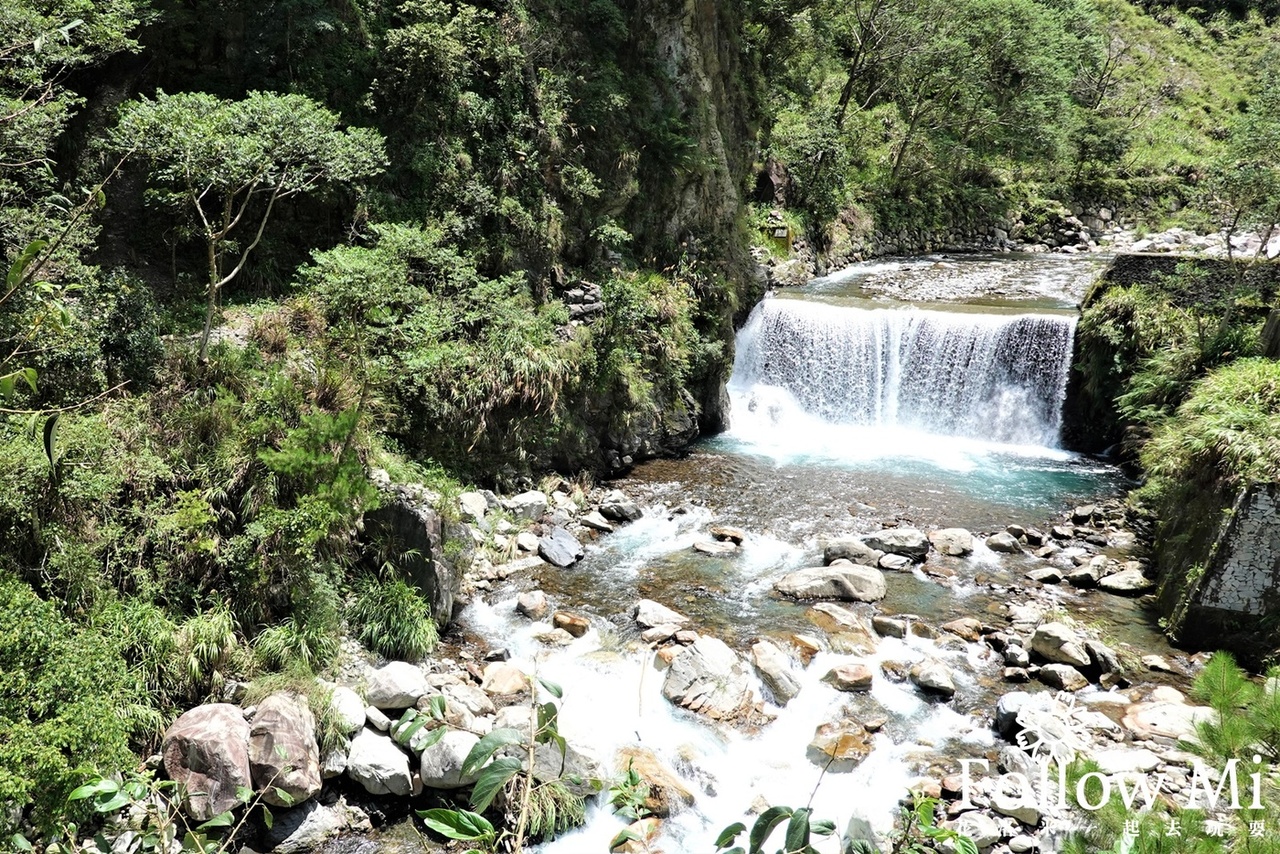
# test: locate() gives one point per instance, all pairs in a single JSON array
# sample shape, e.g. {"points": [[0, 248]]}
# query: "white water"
{"points": [[815, 379]]}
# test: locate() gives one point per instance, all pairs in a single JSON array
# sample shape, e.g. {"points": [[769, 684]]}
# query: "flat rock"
{"points": [[956, 542], [1063, 677], [1059, 643], [896, 563], [851, 549], [560, 548], [906, 541], [1004, 542], [395, 685], [715, 548], [776, 671], [851, 676], [376, 763], [1046, 575], [206, 750], [969, 628], [1128, 582], [596, 521], [708, 678], [848, 582], [648, 613], [1123, 760], [1165, 719], [529, 506], [502, 679], [442, 762], [725, 532]]}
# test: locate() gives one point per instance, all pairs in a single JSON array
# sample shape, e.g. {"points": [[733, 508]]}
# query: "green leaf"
{"points": [[51, 440], [433, 738], [224, 819], [457, 824], [798, 830], [244, 794], [625, 835], [486, 747], [768, 820], [495, 776], [729, 834], [285, 798], [115, 802], [552, 688], [964, 845], [267, 818], [822, 827], [436, 706], [20, 843], [98, 787], [23, 261]]}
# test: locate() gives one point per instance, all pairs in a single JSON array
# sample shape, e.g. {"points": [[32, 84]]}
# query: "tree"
{"points": [[230, 162]]}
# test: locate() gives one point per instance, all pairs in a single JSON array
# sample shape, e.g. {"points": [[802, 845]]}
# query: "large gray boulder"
{"points": [[395, 685], [1129, 582], [956, 542], [851, 549], [933, 677], [908, 542], [206, 751], [1059, 644], [283, 753], [528, 506], [776, 671], [618, 507], [376, 763], [442, 762], [845, 581], [1004, 542], [348, 709], [709, 679], [560, 548], [311, 825], [648, 613]]}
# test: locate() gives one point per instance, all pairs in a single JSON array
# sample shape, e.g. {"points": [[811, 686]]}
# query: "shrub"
{"points": [[392, 619]]}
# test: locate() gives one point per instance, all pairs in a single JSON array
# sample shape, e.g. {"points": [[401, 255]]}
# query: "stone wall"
{"points": [[1228, 602]]}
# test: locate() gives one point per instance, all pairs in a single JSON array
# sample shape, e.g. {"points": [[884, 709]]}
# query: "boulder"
{"points": [[1004, 542], [532, 604], [851, 676], [1126, 760], [527, 541], [1165, 720], [502, 679], [376, 763], [1046, 575], [395, 685], [311, 825], [956, 542], [896, 563], [1103, 657], [839, 581], [576, 767], [908, 542], [851, 549], [597, 522], [1062, 532], [776, 671], [715, 548], [843, 740], [1016, 807], [467, 696], [667, 792], [1007, 708], [560, 548], [1064, 677], [1128, 582], [529, 506], [725, 532], [348, 709], [283, 753], [442, 762], [836, 620], [979, 827], [575, 624], [1084, 576], [648, 613], [1058, 643], [473, 505], [206, 751], [407, 524], [709, 679], [932, 677], [889, 627], [618, 507], [969, 628]]}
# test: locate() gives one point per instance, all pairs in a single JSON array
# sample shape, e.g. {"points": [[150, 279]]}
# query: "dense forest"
{"points": [[256, 251]]}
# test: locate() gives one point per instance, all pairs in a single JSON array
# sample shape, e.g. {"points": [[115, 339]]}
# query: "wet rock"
{"points": [[529, 506], [1017, 675], [839, 581], [596, 521], [808, 646], [933, 677], [648, 613], [897, 563], [658, 634], [850, 677], [1086, 576], [725, 532], [554, 637], [283, 753], [442, 762], [1015, 807], [1015, 531], [502, 679], [376, 763], [1016, 656], [848, 631], [560, 548], [575, 624], [1123, 760], [1046, 575], [532, 604], [851, 549], [979, 827], [1058, 643], [1103, 657], [395, 685], [968, 628], [956, 542], [894, 671], [715, 548], [1083, 514], [1129, 582], [1158, 663], [618, 507], [908, 542], [347, 709], [1062, 532], [1033, 538], [708, 678], [667, 792], [1062, 676], [576, 767], [311, 825], [776, 671], [1004, 542], [1007, 708], [206, 750], [1048, 551], [843, 740], [889, 627]]}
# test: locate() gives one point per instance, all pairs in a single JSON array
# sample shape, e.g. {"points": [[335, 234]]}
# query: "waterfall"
{"points": [[997, 378]]}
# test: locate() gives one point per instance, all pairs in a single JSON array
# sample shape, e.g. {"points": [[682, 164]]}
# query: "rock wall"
{"points": [[1225, 601]]}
